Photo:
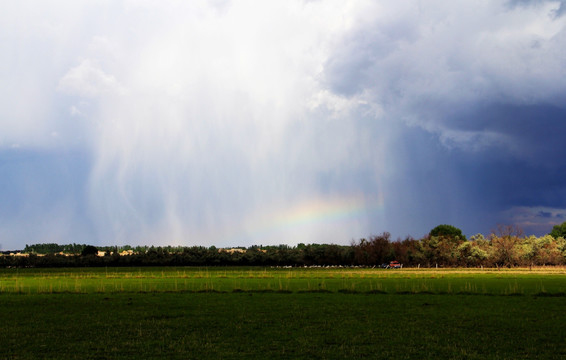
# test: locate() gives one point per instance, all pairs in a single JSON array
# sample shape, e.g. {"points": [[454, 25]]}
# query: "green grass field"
{"points": [[185, 279], [192, 313]]}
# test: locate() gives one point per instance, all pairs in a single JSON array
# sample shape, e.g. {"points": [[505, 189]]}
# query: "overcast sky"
{"points": [[233, 123]]}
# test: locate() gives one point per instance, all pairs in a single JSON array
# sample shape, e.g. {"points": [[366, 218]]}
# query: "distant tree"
{"points": [[440, 250], [545, 250], [50, 248], [505, 243], [470, 253], [381, 249], [559, 231], [89, 250], [448, 231], [408, 252]]}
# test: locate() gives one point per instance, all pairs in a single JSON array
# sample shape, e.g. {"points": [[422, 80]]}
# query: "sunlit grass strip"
{"points": [[116, 280]]}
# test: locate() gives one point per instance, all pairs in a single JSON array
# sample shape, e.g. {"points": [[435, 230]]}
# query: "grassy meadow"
{"points": [[337, 313], [526, 281]]}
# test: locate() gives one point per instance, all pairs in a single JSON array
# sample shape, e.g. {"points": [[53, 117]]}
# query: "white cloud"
{"points": [[74, 111], [88, 80], [40, 42]]}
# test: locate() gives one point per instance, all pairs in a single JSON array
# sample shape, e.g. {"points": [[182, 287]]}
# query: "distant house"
{"points": [[236, 250], [231, 251], [19, 254]]}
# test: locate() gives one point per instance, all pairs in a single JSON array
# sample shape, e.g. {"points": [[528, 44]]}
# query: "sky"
{"points": [[239, 123]]}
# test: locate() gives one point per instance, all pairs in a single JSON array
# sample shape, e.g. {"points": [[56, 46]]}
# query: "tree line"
{"points": [[444, 246]]}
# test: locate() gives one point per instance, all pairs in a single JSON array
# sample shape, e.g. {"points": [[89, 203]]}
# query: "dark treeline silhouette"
{"points": [[282, 255], [444, 246]]}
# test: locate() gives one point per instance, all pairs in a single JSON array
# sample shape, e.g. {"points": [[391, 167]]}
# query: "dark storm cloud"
{"points": [[499, 176], [480, 91]]}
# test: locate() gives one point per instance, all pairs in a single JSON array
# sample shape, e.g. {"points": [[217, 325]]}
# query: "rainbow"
{"points": [[314, 211]]}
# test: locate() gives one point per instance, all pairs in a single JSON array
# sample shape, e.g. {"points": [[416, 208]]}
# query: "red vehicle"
{"points": [[395, 265]]}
